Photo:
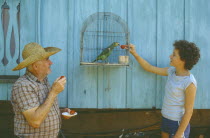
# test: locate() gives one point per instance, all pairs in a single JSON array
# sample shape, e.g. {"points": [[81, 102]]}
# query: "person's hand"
{"points": [[177, 136], [132, 48], [59, 85], [66, 110]]}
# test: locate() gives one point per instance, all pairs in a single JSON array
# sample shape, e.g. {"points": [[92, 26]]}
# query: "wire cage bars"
{"points": [[99, 31]]}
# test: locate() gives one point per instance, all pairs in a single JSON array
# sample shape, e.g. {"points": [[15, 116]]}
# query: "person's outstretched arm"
{"points": [[145, 65]]}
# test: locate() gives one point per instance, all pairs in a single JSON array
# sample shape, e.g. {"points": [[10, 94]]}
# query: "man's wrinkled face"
{"points": [[43, 66]]}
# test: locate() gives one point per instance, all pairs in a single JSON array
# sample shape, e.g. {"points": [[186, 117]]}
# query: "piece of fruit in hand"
{"points": [[123, 46], [61, 77], [72, 112]]}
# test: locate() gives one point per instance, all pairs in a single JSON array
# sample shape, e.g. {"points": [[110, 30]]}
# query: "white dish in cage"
{"points": [[123, 60]]}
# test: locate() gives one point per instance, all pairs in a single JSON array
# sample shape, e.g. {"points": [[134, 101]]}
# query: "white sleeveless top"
{"points": [[174, 99]]}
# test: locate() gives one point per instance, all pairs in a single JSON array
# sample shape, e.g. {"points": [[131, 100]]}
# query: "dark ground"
{"points": [[111, 123]]}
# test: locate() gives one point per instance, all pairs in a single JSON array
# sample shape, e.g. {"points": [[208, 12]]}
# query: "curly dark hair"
{"points": [[188, 52]]}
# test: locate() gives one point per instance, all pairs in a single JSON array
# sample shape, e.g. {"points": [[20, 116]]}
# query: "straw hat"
{"points": [[33, 52]]}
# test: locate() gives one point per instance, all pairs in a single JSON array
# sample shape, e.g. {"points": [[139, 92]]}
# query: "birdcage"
{"points": [[99, 31]]}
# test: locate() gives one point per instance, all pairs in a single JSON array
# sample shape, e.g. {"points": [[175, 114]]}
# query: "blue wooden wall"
{"points": [[153, 24]]}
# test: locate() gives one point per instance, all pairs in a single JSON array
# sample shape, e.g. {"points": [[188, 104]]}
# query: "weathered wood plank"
{"points": [[112, 80], [1, 40], [3, 87], [27, 25], [84, 78], [170, 27], [142, 23], [70, 45], [9, 90], [3, 91], [197, 30], [53, 32]]}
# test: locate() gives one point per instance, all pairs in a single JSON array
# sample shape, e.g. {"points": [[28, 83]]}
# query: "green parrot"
{"points": [[106, 52]]}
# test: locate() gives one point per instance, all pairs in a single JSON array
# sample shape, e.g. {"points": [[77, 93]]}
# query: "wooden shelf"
{"points": [[102, 64]]}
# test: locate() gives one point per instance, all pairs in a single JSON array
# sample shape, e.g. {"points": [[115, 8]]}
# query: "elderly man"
{"points": [[34, 102]]}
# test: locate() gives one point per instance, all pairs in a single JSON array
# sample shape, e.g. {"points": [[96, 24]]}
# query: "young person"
{"points": [[180, 88]]}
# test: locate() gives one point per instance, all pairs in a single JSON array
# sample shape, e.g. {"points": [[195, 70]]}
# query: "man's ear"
{"points": [[34, 66]]}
